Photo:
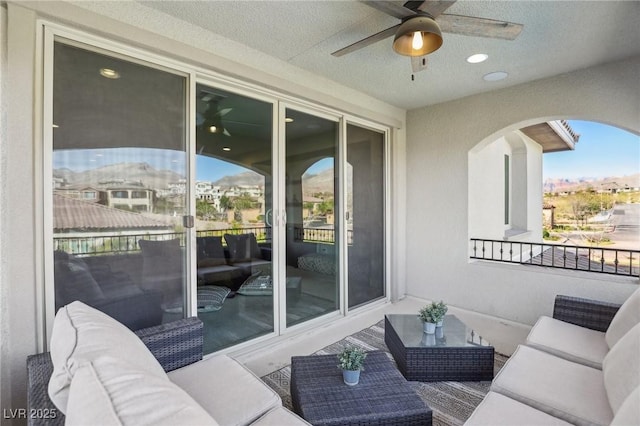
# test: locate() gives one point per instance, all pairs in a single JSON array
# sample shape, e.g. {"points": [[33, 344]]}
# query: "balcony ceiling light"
{"points": [[495, 76], [418, 35], [477, 58], [109, 73]]}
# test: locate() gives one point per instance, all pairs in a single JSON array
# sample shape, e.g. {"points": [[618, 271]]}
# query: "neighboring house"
{"points": [[427, 149], [85, 227], [86, 193], [136, 199], [505, 181]]}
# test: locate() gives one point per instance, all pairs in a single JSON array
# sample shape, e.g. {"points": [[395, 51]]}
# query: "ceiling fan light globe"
{"points": [[403, 42]]}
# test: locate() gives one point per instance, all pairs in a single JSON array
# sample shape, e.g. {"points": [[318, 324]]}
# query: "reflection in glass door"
{"points": [[233, 193], [312, 252], [119, 182], [365, 215]]}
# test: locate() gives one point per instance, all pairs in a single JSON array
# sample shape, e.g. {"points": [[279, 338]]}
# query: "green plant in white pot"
{"points": [[442, 307], [351, 361], [430, 316]]}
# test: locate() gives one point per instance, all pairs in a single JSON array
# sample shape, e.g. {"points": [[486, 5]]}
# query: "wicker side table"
{"points": [[383, 396]]}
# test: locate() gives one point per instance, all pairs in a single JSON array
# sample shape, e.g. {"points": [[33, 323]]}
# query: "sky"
{"points": [[601, 151]]}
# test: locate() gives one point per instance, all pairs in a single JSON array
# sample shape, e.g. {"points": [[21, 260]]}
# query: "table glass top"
{"points": [[453, 333]]}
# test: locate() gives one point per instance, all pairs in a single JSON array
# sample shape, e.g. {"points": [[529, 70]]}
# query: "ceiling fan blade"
{"points": [[243, 123], [390, 8], [366, 41], [433, 7], [223, 112], [481, 27]]}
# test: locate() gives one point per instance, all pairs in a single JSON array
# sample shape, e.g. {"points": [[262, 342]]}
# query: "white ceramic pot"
{"points": [[351, 377], [429, 327]]}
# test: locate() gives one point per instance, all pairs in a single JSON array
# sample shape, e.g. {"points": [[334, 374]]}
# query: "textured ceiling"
{"points": [[558, 37]]}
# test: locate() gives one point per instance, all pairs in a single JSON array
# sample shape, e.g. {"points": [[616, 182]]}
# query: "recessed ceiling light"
{"points": [[109, 73], [495, 76], [226, 148], [288, 120], [477, 58]]}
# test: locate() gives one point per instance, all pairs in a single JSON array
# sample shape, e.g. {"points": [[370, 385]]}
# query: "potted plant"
{"points": [[431, 315], [351, 361], [443, 311]]}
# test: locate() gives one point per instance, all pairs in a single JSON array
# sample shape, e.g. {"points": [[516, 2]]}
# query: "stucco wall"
{"points": [[438, 141]]}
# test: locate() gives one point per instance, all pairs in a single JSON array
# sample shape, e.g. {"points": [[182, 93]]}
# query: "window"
{"points": [[119, 194], [507, 189]]}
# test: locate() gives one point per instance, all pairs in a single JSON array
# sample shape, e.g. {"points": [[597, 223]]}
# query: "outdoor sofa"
{"points": [[580, 367], [100, 372]]}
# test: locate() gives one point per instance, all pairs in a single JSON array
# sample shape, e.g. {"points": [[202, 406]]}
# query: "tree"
{"points": [[226, 203], [583, 206], [204, 210]]}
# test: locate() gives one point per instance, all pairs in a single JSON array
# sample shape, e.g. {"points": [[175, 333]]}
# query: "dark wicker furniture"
{"points": [[593, 314], [454, 353], [175, 344], [383, 396]]}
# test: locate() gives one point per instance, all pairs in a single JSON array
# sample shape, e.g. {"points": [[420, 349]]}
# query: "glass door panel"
{"points": [[365, 215], [119, 184], [234, 191], [311, 182]]}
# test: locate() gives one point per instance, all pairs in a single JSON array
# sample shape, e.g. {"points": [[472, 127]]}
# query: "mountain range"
{"points": [[147, 176], [581, 184]]}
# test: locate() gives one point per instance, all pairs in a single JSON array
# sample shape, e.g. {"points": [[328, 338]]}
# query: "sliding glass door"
{"points": [[312, 228], [119, 182], [365, 215], [233, 191], [175, 194]]}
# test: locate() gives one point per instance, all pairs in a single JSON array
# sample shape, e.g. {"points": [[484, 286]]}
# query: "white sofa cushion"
{"points": [[625, 319], [499, 410], [280, 416], [82, 333], [569, 341], [226, 389], [561, 388], [621, 368], [110, 391], [629, 411]]}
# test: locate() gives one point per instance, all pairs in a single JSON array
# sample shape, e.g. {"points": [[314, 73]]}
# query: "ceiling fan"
{"points": [[210, 120], [419, 33]]}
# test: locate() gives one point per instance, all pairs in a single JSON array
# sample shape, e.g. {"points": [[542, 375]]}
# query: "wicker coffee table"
{"points": [[383, 396], [455, 352]]}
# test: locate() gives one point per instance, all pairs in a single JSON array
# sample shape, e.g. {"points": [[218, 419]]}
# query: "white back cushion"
{"points": [[621, 368], [110, 391], [629, 412], [82, 333], [627, 316]]}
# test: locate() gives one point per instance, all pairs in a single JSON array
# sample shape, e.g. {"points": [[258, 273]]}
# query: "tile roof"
{"points": [[70, 213]]}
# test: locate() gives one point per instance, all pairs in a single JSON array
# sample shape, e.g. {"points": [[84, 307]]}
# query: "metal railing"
{"points": [[319, 235], [581, 258], [127, 243]]}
